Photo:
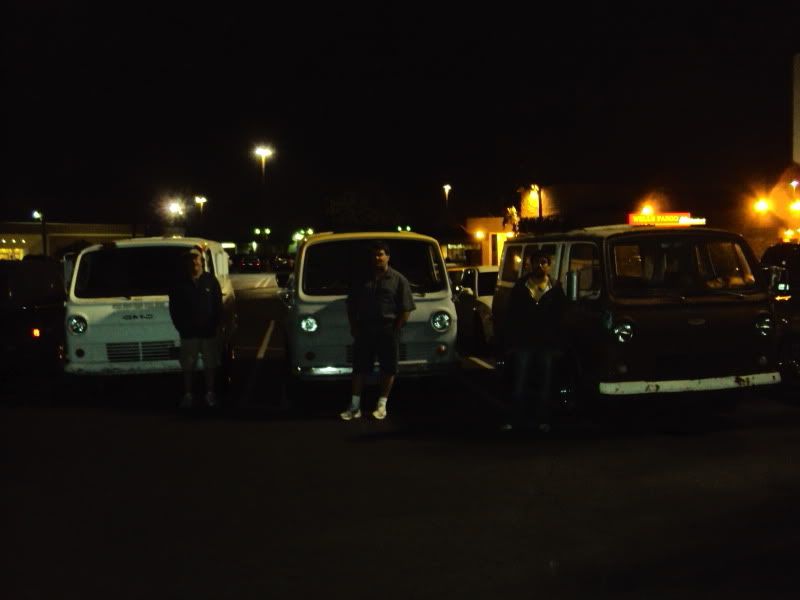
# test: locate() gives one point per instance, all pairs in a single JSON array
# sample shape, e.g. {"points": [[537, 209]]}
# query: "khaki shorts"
{"points": [[207, 347]]}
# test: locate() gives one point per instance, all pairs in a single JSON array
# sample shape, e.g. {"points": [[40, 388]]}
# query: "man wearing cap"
{"points": [[534, 339], [195, 305]]}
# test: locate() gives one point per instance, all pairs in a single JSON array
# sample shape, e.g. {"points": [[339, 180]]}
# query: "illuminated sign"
{"points": [[665, 219]]}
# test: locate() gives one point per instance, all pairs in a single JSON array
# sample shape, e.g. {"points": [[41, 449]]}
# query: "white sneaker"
{"points": [[350, 414], [379, 413], [211, 399], [186, 401]]}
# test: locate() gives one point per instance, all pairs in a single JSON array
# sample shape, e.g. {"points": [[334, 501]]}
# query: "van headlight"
{"points": [[309, 324], [77, 324], [440, 321], [765, 325], [623, 332]]}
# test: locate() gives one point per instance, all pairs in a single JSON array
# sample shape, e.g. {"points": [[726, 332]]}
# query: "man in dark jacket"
{"points": [[534, 339], [195, 305]]}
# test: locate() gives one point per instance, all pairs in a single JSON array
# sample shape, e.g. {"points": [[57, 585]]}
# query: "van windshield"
{"points": [[126, 272], [682, 265], [330, 268]]}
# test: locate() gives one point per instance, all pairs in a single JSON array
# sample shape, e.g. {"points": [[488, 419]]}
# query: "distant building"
{"points": [[19, 239]]}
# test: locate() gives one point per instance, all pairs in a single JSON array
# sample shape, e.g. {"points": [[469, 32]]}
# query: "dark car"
{"points": [[248, 263], [31, 316], [787, 306]]}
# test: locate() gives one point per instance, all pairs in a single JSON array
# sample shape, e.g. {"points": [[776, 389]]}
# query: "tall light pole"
{"points": [[446, 187], [200, 201], [264, 152], [39, 216]]}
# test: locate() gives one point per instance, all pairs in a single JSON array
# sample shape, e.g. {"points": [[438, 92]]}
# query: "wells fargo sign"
{"points": [[683, 219]]}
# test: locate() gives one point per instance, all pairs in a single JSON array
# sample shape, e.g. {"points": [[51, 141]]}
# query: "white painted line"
{"points": [[480, 362], [265, 342]]}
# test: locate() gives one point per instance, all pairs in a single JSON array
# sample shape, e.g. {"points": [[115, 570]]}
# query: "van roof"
{"points": [[157, 241], [606, 231], [370, 235]]}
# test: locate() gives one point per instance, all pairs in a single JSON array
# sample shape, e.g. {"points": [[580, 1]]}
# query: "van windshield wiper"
{"points": [[417, 289]]}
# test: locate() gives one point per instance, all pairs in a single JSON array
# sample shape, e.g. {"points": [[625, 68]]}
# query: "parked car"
{"points": [[654, 310], [248, 263], [117, 318], [31, 316], [317, 328], [787, 306], [473, 289]]}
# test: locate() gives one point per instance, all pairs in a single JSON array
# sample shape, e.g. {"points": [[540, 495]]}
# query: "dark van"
{"points": [[31, 316], [655, 310], [787, 306]]}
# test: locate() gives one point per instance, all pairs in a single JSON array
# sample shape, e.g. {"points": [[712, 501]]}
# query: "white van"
{"points": [[317, 330], [117, 317]]}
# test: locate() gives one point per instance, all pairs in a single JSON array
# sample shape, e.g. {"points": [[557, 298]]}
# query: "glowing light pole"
{"points": [[263, 152], [446, 187], [200, 201], [39, 216]]}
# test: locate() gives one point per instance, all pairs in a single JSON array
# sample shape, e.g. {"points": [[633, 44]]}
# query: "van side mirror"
{"points": [[572, 286]]}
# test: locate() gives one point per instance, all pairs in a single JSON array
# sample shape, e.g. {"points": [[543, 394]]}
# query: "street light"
{"points": [[761, 206], [39, 216], [263, 152], [201, 202], [446, 187]]}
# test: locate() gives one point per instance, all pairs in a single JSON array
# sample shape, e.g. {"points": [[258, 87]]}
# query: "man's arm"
{"points": [[402, 319]]}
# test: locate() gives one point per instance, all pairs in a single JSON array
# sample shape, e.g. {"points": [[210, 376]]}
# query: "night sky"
{"points": [[109, 110]]}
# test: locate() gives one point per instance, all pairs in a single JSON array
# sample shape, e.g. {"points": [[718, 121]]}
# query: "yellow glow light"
{"points": [[795, 206], [480, 234], [761, 206], [647, 209], [36, 332], [264, 152]]}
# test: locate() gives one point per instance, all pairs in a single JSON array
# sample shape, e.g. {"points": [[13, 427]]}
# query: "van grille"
{"points": [[349, 353], [135, 351]]}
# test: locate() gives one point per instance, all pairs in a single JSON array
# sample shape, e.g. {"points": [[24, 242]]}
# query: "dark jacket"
{"points": [[531, 324], [372, 299], [196, 307]]}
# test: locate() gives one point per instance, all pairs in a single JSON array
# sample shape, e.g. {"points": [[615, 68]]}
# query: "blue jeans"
{"points": [[532, 371]]}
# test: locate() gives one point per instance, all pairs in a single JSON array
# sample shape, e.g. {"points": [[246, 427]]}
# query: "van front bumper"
{"points": [[632, 388], [406, 368]]}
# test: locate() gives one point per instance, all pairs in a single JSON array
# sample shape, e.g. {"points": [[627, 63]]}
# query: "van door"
{"points": [[584, 318], [510, 268]]}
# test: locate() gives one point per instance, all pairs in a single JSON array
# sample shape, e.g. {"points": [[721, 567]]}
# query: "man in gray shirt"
{"points": [[378, 307]]}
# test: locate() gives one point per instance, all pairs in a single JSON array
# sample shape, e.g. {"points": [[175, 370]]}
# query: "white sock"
{"points": [[355, 403], [382, 402]]}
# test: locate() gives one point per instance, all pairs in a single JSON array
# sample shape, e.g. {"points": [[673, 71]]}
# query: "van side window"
{"points": [[512, 262], [584, 258], [209, 262]]}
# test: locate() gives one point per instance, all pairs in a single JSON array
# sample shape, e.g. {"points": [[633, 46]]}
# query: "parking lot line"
{"points": [[480, 362], [265, 342]]}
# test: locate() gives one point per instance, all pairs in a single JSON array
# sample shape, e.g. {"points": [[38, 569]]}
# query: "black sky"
{"points": [[109, 110]]}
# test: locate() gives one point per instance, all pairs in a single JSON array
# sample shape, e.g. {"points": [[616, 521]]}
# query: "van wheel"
{"points": [[479, 343], [569, 392], [292, 395], [790, 362], [226, 377]]}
